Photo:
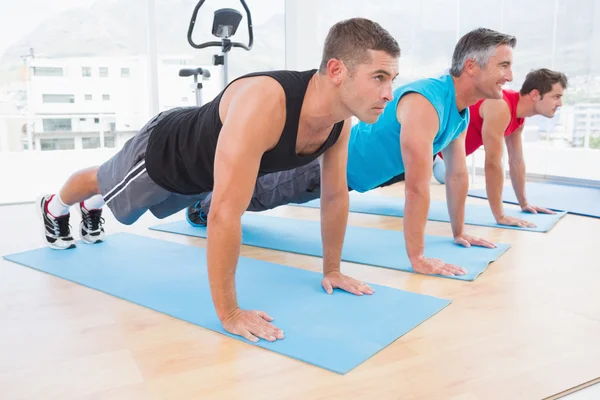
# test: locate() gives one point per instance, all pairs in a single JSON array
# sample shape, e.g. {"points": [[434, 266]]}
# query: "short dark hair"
{"points": [[478, 44], [543, 79], [351, 39]]}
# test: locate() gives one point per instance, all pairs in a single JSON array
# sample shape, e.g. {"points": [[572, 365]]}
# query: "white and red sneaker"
{"points": [[91, 227], [57, 230]]}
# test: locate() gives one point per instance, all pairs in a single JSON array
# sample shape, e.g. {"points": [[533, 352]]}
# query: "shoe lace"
{"points": [[93, 219], [198, 208], [62, 228]]}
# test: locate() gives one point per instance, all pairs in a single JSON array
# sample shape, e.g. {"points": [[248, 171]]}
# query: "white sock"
{"points": [[94, 203], [56, 207]]}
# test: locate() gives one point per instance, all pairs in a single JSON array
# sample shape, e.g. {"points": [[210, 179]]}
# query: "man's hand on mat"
{"points": [[534, 210], [435, 266], [252, 325], [336, 279], [512, 221], [467, 241]]}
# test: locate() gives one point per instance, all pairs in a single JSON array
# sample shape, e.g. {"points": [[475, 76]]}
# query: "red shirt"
{"points": [[474, 140]]}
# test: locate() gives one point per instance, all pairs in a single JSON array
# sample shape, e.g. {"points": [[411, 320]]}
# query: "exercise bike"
{"points": [[225, 24]]}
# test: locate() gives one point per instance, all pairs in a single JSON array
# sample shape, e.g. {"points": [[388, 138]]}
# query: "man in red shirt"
{"points": [[492, 120]]}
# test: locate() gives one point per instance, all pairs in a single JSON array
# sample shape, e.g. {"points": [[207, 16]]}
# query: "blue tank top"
{"points": [[374, 149]]}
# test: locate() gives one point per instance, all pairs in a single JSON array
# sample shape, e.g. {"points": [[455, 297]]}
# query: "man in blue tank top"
{"points": [[425, 117]]}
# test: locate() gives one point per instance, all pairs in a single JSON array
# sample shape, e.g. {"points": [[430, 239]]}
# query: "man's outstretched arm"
{"points": [[496, 117], [252, 124], [334, 215], [457, 186], [419, 126], [516, 162]]}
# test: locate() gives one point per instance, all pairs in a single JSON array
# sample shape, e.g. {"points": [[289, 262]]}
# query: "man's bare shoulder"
{"points": [[414, 107], [497, 108], [260, 96]]}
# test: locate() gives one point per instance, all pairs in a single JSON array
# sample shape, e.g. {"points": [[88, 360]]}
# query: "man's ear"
{"points": [[336, 70]]}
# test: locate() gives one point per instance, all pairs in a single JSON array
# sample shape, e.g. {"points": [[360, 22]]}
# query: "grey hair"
{"points": [[478, 45]]}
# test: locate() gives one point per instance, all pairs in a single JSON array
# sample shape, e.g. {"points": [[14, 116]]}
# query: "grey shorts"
{"points": [[126, 187], [294, 186]]}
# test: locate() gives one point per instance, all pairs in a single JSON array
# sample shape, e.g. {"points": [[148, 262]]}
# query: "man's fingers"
{"points": [[366, 289], [546, 211], [463, 242], [485, 243], [327, 286], [265, 316], [352, 287], [246, 334], [526, 224], [267, 331], [455, 269]]}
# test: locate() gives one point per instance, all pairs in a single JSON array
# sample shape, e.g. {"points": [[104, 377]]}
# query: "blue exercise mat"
{"points": [[438, 211], [577, 200], [337, 332], [378, 247]]}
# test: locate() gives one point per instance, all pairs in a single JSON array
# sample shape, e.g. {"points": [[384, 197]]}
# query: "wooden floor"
{"points": [[527, 328]]}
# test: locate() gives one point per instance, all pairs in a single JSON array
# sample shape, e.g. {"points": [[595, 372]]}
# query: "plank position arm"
{"points": [[334, 215], [516, 161], [496, 117], [457, 187], [245, 136], [419, 125]]}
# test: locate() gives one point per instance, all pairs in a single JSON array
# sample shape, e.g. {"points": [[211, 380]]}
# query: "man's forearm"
{"points": [[494, 181], [334, 219], [415, 218], [456, 194], [223, 250], [517, 178]]}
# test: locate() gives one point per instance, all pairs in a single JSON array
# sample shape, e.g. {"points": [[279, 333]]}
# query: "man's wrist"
{"points": [[415, 258], [327, 269], [225, 312]]}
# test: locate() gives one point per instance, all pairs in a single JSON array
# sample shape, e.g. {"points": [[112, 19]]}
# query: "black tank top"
{"points": [[181, 149]]}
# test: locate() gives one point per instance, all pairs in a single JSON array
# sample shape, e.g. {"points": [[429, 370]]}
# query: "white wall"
{"points": [[26, 175]]}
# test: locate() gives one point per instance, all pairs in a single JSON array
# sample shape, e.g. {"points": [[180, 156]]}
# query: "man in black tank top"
{"points": [[260, 123]]}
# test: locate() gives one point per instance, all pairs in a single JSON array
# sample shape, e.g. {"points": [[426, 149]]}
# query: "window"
{"points": [[57, 125], [94, 142], [109, 141], [47, 71], [58, 98], [106, 97], [57, 144], [90, 142], [40, 57], [557, 35]]}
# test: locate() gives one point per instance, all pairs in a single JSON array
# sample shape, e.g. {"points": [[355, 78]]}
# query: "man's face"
{"points": [[498, 71], [368, 88], [548, 104]]}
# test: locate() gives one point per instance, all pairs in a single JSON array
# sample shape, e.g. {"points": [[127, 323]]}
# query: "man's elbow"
{"points": [[460, 175], [223, 213], [337, 196], [416, 188], [493, 163], [515, 162]]}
